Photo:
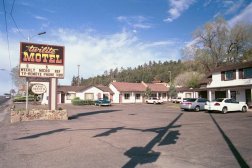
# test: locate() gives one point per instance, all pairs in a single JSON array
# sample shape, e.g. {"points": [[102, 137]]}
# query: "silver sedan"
{"points": [[195, 104]]}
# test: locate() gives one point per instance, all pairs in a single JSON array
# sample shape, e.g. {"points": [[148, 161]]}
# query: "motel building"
{"points": [[231, 81]]}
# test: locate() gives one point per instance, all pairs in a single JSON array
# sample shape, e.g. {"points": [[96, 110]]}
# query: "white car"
{"points": [[225, 105], [176, 100], [154, 100]]}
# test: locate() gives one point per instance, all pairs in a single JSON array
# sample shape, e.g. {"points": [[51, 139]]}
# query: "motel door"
{"points": [[248, 96], [62, 98], [220, 94]]}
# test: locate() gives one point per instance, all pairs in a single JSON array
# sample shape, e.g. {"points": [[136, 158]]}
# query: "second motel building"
{"points": [[117, 92]]}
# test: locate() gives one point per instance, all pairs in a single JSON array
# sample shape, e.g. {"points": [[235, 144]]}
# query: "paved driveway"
{"points": [[134, 135]]}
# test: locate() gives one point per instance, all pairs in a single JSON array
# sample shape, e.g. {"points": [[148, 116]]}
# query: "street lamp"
{"points": [[38, 34], [27, 81]]}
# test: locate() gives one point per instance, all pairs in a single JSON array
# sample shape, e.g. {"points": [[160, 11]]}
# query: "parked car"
{"points": [[185, 99], [177, 100], [103, 102], [154, 100], [195, 104], [225, 105]]}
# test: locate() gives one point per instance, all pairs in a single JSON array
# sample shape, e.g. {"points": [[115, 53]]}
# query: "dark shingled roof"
{"points": [[232, 67]]}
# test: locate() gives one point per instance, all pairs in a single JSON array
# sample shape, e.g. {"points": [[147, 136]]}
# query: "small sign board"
{"points": [[38, 88], [41, 60]]}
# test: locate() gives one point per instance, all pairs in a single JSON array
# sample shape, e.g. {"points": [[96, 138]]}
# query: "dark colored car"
{"points": [[102, 102], [195, 104]]}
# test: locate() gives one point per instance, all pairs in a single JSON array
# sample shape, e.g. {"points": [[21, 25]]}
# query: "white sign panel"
{"points": [[38, 88], [43, 71]]}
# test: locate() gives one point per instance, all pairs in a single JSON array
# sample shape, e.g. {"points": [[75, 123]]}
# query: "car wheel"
{"points": [[197, 108], [224, 110], [244, 109]]}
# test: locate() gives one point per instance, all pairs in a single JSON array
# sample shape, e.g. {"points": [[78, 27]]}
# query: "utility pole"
{"points": [[170, 78], [78, 82], [170, 82]]}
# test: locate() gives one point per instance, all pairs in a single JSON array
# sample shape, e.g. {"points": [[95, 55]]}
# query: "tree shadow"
{"points": [[76, 116]]}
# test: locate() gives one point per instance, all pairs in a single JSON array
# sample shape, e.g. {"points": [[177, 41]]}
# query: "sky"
{"points": [[100, 35]]}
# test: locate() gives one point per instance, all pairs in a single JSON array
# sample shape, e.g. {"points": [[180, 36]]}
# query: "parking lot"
{"points": [[128, 136]]}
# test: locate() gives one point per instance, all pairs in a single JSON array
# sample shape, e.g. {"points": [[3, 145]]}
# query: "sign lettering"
{"points": [[41, 60]]}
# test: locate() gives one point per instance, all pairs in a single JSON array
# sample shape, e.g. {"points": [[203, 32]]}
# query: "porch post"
{"points": [[210, 95], [229, 94]]}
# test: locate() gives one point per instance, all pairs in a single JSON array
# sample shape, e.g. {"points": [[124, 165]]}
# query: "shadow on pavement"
{"points": [[143, 155], [42, 134], [110, 131], [235, 152], [90, 113]]}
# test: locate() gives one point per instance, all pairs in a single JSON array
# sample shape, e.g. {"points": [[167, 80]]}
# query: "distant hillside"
{"points": [[147, 73]]}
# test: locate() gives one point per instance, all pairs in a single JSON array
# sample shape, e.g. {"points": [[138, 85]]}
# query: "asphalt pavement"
{"points": [[4, 104], [128, 136]]}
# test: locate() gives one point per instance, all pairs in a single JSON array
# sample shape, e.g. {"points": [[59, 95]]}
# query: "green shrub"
{"points": [[76, 98], [23, 98], [77, 101]]}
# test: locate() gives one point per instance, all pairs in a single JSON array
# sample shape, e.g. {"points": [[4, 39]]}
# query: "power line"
{"points": [[12, 8], [7, 34]]}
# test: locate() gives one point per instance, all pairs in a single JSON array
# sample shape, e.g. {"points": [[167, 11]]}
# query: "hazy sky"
{"points": [[100, 35]]}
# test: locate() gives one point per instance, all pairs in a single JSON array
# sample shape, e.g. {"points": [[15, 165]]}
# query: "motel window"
{"points": [[229, 75], [138, 96], [71, 96], [247, 73], [163, 95], [126, 96]]}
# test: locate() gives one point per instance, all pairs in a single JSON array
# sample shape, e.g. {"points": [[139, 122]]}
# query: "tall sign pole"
{"points": [[27, 81]]}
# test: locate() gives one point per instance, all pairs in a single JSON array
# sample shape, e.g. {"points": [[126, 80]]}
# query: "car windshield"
{"points": [[219, 99]]}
